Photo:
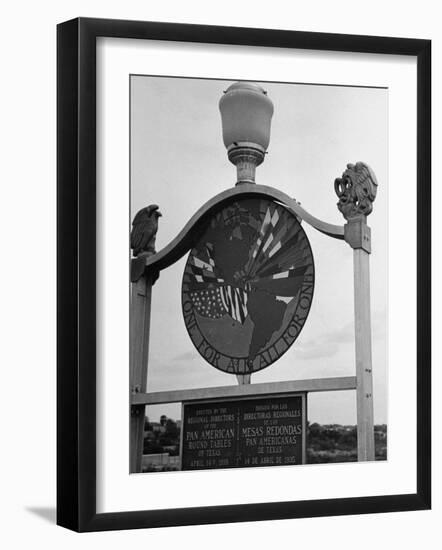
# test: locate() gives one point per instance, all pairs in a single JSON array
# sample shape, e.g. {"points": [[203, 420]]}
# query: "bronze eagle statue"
{"points": [[144, 230]]}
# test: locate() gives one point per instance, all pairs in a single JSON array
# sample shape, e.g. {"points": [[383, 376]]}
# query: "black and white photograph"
{"points": [[258, 274]]}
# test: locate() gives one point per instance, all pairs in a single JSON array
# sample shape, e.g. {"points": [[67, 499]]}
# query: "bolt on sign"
{"points": [[251, 432]]}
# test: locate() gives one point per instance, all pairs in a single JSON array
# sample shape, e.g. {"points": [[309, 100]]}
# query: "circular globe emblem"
{"points": [[248, 286]]}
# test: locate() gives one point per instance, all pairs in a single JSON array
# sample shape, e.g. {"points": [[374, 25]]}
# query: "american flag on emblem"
{"points": [[235, 302], [275, 264], [215, 299], [218, 301], [208, 302]]}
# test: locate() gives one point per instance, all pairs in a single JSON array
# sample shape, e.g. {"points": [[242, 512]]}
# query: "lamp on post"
{"points": [[246, 113]]}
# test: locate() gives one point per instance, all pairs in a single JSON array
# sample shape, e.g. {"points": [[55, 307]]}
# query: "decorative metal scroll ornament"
{"points": [[248, 285], [356, 190]]}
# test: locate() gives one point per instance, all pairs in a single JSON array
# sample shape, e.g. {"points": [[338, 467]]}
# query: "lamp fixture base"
{"points": [[246, 157]]}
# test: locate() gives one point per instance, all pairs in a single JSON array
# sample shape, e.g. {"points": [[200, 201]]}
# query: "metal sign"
{"points": [[244, 433], [248, 286]]}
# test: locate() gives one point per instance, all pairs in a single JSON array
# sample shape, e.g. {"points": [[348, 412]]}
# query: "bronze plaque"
{"points": [[243, 433], [248, 286]]}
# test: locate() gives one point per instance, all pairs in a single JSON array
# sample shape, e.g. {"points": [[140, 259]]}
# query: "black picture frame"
{"points": [[76, 273]]}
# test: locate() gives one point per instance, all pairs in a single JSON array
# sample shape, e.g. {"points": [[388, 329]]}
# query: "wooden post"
{"points": [[142, 242], [304, 427], [139, 351], [364, 375], [357, 234], [357, 189]]}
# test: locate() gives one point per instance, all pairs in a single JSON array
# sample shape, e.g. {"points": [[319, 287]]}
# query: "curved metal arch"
{"points": [[181, 244]]}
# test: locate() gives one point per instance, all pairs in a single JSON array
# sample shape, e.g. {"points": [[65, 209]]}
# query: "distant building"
{"points": [[158, 428]]}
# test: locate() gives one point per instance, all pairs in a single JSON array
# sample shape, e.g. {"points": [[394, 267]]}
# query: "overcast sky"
{"points": [[178, 161]]}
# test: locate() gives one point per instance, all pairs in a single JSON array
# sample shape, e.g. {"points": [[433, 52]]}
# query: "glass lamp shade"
{"points": [[246, 113]]}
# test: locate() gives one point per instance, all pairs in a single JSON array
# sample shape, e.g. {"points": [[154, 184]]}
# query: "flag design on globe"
{"points": [[246, 281]]}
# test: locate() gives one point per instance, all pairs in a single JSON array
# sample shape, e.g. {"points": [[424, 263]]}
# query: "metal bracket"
{"points": [[136, 411], [358, 234], [138, 268]]}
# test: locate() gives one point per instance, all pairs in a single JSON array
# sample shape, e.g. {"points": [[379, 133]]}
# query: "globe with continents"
{"points": [[248, 285]]}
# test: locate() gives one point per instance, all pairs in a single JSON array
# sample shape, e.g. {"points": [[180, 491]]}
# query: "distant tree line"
{"points": [[162, 436], [337, 443]]}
